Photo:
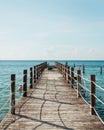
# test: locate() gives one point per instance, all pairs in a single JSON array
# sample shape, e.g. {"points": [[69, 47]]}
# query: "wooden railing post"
{"points": [[92, 97], [64, 70], [39, 71], [68, 74], [72, 77], [34, 74], [12, 94], [100, 69], [66, 66], [78, 83], [83, 69], [31, 77], [61, 68], [37, 68], [24, 83]]}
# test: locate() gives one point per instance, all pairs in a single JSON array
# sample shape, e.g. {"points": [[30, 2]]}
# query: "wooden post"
{"points": [[83, 68], [61, 68], [34, 74], [65, 72], [12, 94], [66, 63], [24, 83], [31, 78], [37, 69], [68, 74], [92, 98], [72, 77], [39, 73], [100, 69], [79, 82]]}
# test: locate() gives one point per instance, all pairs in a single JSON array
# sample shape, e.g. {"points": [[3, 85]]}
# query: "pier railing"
{"points": [[5, 100], [85, 88], [34, 76]]}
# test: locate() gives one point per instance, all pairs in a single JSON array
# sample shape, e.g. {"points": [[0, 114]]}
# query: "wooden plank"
{"points": [[52, 105]]}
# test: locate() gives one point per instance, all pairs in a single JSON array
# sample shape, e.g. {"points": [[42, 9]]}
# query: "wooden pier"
{"points": [[51, 104]]}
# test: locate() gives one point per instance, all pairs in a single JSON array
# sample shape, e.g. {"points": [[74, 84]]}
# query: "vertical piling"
{"points": [[66, 67], [68, 74], [92, 97], [12, 94], [24, 83], [37, 70], [79, 83], [72, 77], [34, 74], [100, 69], [31, 77], [83, 69]]}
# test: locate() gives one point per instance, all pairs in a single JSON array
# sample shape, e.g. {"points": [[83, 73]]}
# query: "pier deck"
{"points": [[52, 105]]}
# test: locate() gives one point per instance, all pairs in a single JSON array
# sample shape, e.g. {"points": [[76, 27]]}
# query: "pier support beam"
{"points": [[31, 77], [12, 100], [92, 97], [72, 77], [24, 83], [79, 83]]}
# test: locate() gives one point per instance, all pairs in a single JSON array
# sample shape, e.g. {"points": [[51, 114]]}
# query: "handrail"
{"points": [[4, 105], [38, 69], [98, 86], [5, 89], [65, 74]]}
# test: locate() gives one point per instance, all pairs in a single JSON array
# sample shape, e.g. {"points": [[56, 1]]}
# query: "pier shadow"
{"points": [[50, 100], [18, 115], [40, 121]]}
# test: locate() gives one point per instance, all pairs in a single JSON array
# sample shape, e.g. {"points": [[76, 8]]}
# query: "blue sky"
{"points": [[51, 29]]}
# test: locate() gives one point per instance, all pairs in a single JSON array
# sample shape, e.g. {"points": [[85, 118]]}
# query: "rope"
{"points": [[4, 84], [85, 79], [4, 89], [84, 99], [98, 115], [98, 86], [84, 87], [16, 93], [4, 105], [19, 79], [98, 99], [74, 73]]}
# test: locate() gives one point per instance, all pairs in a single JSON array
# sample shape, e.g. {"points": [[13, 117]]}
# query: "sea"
{"points": [[8, 67]]}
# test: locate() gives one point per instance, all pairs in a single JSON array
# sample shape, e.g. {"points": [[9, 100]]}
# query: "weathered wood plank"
{"points": [[52, 105]]}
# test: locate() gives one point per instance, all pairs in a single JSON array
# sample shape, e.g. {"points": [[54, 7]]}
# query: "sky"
{"points": [[51, 29]]}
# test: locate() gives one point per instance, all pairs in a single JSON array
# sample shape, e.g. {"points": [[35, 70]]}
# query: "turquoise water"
{"points": [[16, 67]]}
